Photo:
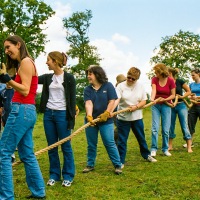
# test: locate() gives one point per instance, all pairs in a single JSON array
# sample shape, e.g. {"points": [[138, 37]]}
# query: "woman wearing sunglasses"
{"points": [[131, 94]]}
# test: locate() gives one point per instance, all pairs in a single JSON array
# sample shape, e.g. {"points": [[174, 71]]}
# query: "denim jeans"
{"points": [[182, 112], [55, 125], [18, 132], [107, 135], [164, 112], [137, 127]]}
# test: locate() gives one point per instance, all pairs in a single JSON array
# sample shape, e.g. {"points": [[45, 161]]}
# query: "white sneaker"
{"points": [[51, 182], [185, 145], [122, 166], [66, 183], [166, 153], [151, 159], [153, 153]]}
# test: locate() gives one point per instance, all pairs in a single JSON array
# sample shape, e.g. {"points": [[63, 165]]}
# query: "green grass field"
{"points": [[171, 178]]}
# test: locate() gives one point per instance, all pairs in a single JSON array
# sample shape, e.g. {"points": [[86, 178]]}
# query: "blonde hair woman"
{"points": [[164, 87]]}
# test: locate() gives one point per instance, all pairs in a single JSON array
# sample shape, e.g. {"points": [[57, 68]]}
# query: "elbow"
{"points": [[25, 93]]}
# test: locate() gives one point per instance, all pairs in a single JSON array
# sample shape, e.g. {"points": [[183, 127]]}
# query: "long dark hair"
{"points": [[14, 39], [98, 72]]}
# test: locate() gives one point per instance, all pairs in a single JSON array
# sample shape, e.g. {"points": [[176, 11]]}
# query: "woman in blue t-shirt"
{"points": [[180, 109], [194, 111], [99, 99]]}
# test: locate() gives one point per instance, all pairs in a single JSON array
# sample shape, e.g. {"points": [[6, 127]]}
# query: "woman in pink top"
{"points": [[162, 86], [20, 123]]}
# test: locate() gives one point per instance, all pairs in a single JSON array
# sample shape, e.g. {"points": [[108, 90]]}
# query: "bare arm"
{"points": [[153, 92], [172, 96], [89, 107], [26, 71], [187, 91], [115, 104], [111, 105]]}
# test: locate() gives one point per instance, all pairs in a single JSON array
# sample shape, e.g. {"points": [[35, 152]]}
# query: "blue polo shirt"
{"points": [[100, 98]]}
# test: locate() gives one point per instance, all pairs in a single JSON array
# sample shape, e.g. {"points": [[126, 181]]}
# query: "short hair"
{"points": [[161, 69], [134, 72], [120, 78], [98, 72], [196, 70], [58, 57]]}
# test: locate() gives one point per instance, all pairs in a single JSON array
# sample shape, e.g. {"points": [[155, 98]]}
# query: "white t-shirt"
{"points": [[57, 99], [130, 95]]}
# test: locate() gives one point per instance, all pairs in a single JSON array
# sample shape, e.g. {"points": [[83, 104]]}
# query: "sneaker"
{"points": [[151, 159], [66, 183], [51, 182], [185, 145], [13, 158], [153, 153], [166, 153], [122, 166], [88, 169], [118, 171]]}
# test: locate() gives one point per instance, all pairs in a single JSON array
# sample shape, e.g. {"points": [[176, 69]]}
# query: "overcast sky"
{"points": [[125, 31]]}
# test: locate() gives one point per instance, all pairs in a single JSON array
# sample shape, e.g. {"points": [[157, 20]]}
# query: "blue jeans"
{"points": [[18, 132], [182, 112], [164, 112], [137, 127], [55, 126], [107, 135]]}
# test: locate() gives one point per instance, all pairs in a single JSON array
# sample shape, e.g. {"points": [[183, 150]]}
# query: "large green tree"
{"points": [[26, 18], [77, 28], [181, 50]]}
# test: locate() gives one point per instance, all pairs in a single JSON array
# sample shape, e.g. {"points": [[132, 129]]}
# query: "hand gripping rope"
{"points": [[81, 129]]}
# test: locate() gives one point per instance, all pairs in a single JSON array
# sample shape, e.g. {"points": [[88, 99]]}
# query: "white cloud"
{"points": [[198, 31], [120, 38], [62, 10], [115, 60], [56, 35]]}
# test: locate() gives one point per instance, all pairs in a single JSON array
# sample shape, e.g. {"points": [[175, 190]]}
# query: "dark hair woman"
{"points": [[21, 120], [99, 99]]}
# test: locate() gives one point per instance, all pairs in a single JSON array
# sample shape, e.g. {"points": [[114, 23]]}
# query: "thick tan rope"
{"points": [[192, 102], [81, 129]]}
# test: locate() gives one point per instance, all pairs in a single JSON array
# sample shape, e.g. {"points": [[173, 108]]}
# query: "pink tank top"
{"points": [[30, 98]]}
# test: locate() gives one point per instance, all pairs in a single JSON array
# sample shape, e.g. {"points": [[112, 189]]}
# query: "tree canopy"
{"points": [[77, 29], [26, 18], [182, 51]]}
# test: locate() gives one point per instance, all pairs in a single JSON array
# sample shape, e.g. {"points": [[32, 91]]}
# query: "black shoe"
{"points": [[34, 197]]}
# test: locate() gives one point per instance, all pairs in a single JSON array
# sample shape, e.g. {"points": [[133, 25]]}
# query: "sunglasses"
{"points": [[130, 78]]}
